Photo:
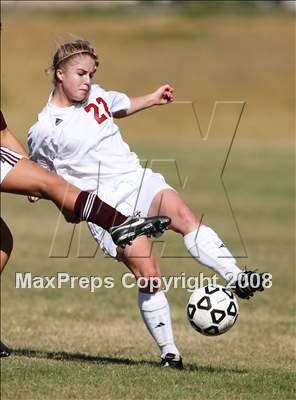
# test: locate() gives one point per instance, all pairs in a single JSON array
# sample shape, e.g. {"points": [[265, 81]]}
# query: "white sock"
{"points": [[206, 247], [155, 312]]}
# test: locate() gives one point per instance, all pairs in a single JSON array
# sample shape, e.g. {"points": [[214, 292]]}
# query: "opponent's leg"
{"points": [[203, 244], [152, 301], [28, 178], [6, 245]]}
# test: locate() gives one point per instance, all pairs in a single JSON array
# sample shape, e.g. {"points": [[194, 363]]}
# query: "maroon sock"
{"points": [[91, 208]]}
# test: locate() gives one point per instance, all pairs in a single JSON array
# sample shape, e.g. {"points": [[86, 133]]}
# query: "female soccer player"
{"points": [[76, 136], [21, 176]]}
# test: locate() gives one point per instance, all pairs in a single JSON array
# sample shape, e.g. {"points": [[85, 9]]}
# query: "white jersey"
{"points": [[82, 143], [8, 159]]}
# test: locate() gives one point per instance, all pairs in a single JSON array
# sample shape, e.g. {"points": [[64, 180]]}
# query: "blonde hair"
{"points": [[68, 50]]}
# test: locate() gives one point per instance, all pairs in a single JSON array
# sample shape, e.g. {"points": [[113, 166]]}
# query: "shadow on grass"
{"points": [[214, 370], [63, 356]]}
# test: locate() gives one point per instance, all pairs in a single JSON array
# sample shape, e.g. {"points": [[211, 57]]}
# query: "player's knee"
{"points": [[146, 272], [184, 221], [150, 273]]}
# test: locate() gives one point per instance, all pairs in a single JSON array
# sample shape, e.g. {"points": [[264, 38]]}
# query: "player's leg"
{"points": [[28, 178], [6, 245], [203, 244], [201, 241], [152, 301]]}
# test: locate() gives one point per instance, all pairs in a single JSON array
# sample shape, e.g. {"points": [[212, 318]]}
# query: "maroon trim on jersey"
{"points": [[6, 156], [3, 124], [4, 159]]}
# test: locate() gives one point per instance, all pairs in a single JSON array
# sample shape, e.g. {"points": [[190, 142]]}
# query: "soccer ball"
{"points": [[212, 310]]}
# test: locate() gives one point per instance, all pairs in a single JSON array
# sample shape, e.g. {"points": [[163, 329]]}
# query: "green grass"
{"points": [[70, 343], [185, 9], [83, 378], [73, 344]]}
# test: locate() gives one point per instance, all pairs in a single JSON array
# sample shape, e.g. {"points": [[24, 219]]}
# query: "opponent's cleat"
{"points": [[4, 350], [136, 226], [163, 226], [248, 283], [171, 360]]}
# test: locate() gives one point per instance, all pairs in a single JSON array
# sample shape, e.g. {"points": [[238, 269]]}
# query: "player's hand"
{"points": [[163, 95], [33, 199]]}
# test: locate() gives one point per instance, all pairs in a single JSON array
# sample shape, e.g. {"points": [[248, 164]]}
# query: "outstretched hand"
{"points": [[163, 95]]}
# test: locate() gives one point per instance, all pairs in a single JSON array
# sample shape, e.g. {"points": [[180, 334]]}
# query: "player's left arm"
{"points": [[162, 95]]}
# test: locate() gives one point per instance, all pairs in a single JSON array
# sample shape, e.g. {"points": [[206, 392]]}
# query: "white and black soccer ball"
{"points": [[212, 310]]}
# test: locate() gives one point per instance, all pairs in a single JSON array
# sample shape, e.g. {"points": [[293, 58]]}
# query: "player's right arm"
{"points": [[162, 95]]}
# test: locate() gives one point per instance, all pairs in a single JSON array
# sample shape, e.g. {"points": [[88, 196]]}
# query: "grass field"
{"points": [[73, 344]]}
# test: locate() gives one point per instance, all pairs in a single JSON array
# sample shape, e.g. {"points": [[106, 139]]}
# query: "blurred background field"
{"points": [[74, 344]]}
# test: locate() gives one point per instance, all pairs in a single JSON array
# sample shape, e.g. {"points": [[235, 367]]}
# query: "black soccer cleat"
{"points": [[248, 283], [136, 226], [4, 350], [171, 360]]}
